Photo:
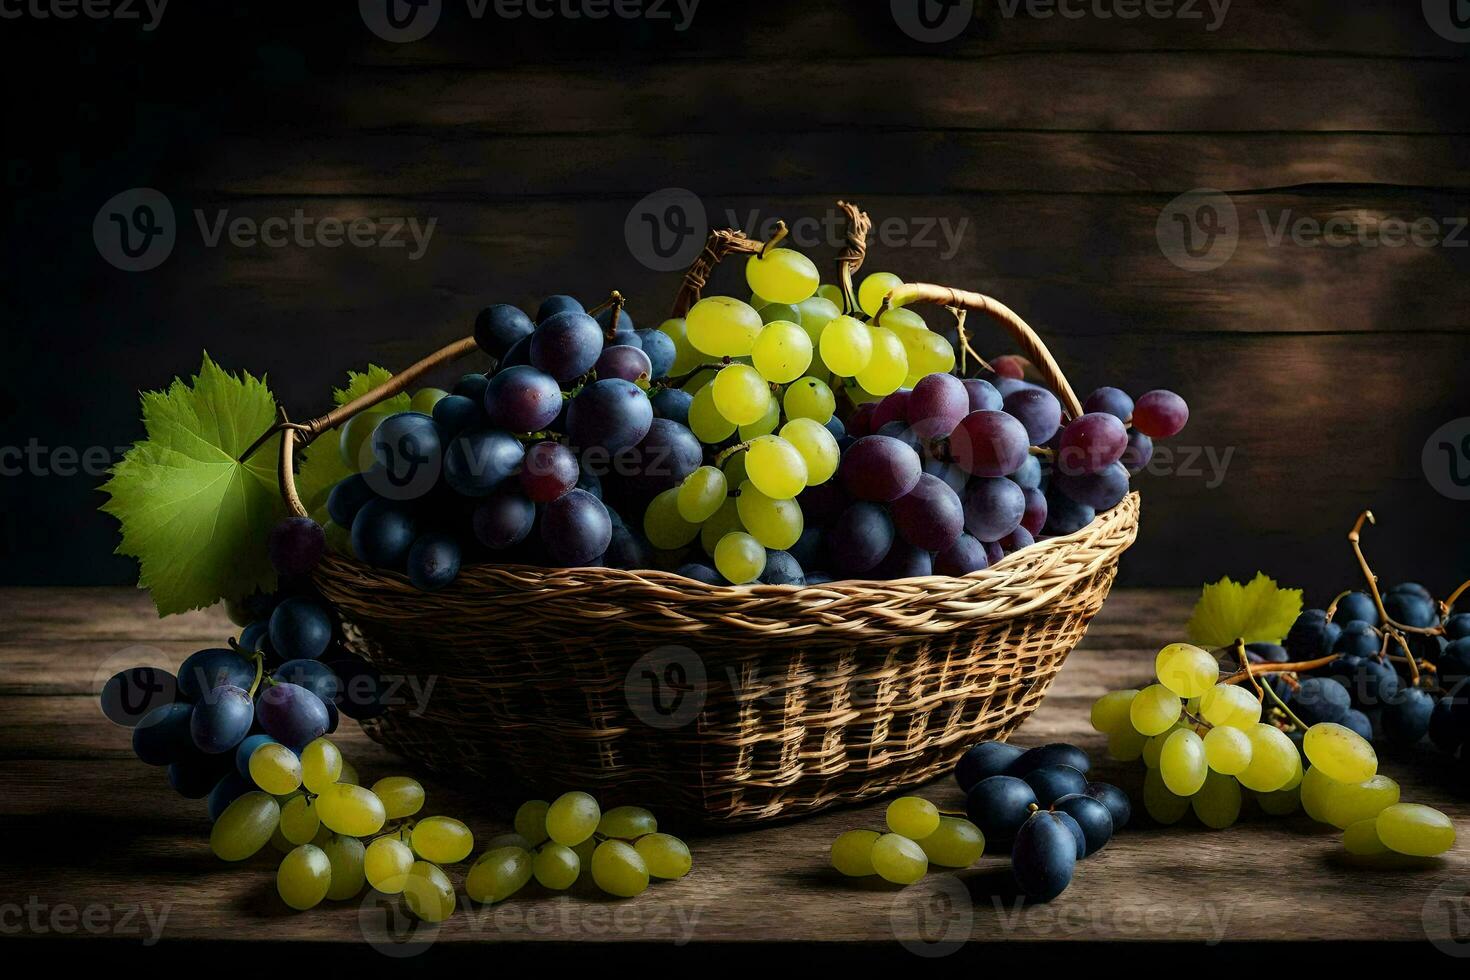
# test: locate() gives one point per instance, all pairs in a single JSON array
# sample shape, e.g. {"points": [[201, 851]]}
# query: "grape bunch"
{"points": [[918, 835], [573, 838], [1203, 742], [778, 441]]}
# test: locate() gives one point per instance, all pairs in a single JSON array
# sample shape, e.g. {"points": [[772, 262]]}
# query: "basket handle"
{"points": [[1020, 330]]}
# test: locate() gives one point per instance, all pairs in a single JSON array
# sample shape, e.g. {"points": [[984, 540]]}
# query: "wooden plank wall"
{"points": [[1317, 371]]}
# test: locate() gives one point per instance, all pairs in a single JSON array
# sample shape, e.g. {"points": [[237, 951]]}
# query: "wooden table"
{"points": [[95, 844]]}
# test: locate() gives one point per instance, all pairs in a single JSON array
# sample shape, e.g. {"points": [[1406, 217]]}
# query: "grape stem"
{"points": [[259, 673], [616, 302], [781, 232], [731, 451], [1250, 672], [1332, 606], [1355, 538], [677, 380]]}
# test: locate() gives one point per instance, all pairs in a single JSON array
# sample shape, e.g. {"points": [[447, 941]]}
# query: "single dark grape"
{"points": [[860, 422], [1322, 699], [471, 386], [548, 471], [349, 496], [860, 538], [1051, 783], [1029, 475], [999, 805], [433, 562], [624, 324], [295, 545], [498, 327], [503, 519], [1091, 444], [1038, 410], [936, 405], [1110, 401], [672, 404], [966, 555], [879, 468], [1114, 799], [904, 561], [1101, 490], [230, 788], [983, 761], [301, 629], [552, 305], [1034, 517], [893, 407], [701, 573], [522, 399], [1411, 609], [1139, 452], [1357, 639], [519, 354], [478, 462], [1016, 540], [664, 457], [1050, 754], [930, 515], [1094, 817], [204, 670], [608, 415], [1160, 414], [627, 548], [575, 528], [1406, 718], [993, 508], [624, 361], [130, 694], [566, 345], [989, 443], [382, 533], [314, 675], [661, 352], [221, 719], [1357, 606], [291, 715], [1065, 515], [408, 452], [983, 396], [782, 569], [162, 735]]}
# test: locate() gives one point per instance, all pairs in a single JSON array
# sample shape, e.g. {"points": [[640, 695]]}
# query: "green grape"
{"points": [[771, 312], [740, 558], [846, 346], [815, 314], [1126, 745], [1231, 706], [1217, 802], [664, 526], [913, 817], [352, 442], [1110, 712], [346, 856], [903, 321], [1362, 838], [818, 448], [386, 864], [810, 398], [348, 775], [425, 399], [1415, 829], [1159, 802], [428, 892], [618, 869], [686, 357], [321, 764], [1228, 750], [1186, 670], [888, 365], [955, 843], [782, 352], [852, 853], [1274, 759], [572, 817], [512, 840], [1282, 802], [874, 288], [1316, 790], [275, 769], [734, 469], [832, 293], [705, 420], [1182, 763], [556, 866], [1344, 804], [664, 855], [1153, 746], [776, 524], [782, 275], [928, 352], [299, 820], [280, 843], [530, 820], [700, 379], [1296, 771], [443, 840], [627, 822], [725, 521], [1340, 752], [764, 425], [245, 826], [740, 393], [899, 860], [584, 851], [776, 467], [350, 810], [402, 796], [722, 326], [498, 874], [701, 494], [304, 877], [1154, 710]]}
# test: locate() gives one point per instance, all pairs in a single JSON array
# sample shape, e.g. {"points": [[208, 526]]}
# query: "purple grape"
{"points": [[503, 519], [222, 719], [904, 561], [498, 327], [893, 408], [665, 456], [983, 396], [548, 471], [566, 345], [937, 404], [930, 516], [624, 361], [301, 629], [993, 552], [1038, 410], [1016, 540], [1065, 515], [1091, 444], [382, 533], [576, 529], [295, 545], [822, 503], [993, 508], [1110, 401], [660, 349], [988, 443], [291, 715], [879, 468], [552, 305], [609, 415], [1036, 510], [1100, 491], [860, 538], [478, 462], [433, 562], [1160, 414], [1139, 454], [951, 475], [314, 675], [966, 555], [522, 399], [1029, 475], [130, 694]]}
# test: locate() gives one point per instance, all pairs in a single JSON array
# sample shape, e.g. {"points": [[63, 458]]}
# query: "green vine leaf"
{"points": [[194, 517], [1260, 612]]}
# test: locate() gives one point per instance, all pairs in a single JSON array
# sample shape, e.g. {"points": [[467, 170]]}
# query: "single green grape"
{"points": [[1186, 669], [764, 425], [874, 288], [1415, 829], [618, 869], [348, 775], [1159, 802], [275, 769], [664, 855], [1126, 745], [1340, 752], [903, 321], [1217, 802], [351, 810], [723, 326], [809, 398], [304, 876], [321, 764], [852, 853], [627, 822], [512, 840], [701, 494], [815, 314], [887, 366], [776, 524], [1344, 804], [299, 820], [1230, 706], [725, 521], [1282, 802], [776, 467], [955, 843], [928, 352], [402, 796], [352, 443], [772, 312], [1110, 712], [1362, 838], [572, 817], [530, 820], [740, 393], [1274, 759], [346, 855], [665, 528], [498, 874], [705, 420], [442, 840], [782, 275], [1228, 750], [556, 866], [740, 558], [1182, 763], [245, 826], [1317, 790], [1154, 710], [832, 293], [386, 864], [734, 469], [913, 817], [818, 448], [782, 352], [425, 399], [846, 346], [428, 892], [898, 859]]}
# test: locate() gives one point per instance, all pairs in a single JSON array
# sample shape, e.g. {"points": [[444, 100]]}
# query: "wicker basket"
{"points": [[727, 705]]}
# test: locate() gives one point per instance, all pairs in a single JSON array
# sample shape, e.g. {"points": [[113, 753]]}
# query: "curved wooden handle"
{"points": [[1020, 330]]}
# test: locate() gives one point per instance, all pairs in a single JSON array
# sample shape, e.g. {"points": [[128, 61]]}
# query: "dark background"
{"points": [[1061, 141]]}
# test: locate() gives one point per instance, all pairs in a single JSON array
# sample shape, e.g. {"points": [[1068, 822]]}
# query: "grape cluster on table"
{"points": [[777, 441]]}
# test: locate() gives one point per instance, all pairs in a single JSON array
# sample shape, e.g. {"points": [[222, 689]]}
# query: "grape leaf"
{"points": [[194, 517], [1260, 612], [359, 383]]}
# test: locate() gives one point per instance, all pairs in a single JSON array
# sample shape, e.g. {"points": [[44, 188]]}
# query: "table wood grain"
{"points": [[109, 850]]}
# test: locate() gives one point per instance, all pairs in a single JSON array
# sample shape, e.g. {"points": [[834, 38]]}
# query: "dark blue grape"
{"points": [[471, 386], [1138, 454], [1070, 822], [999, 805], [625, 322], [249, 744], [162, 735], [382, 533], [1411, 608], [1114, 799], [672, 404], [456, 415], [1444, 728], [566, 345], [664, 457], [904, 560], [834, 425], [608, 416], [1457, 627], [860, 538], [1092, 815], [1111, 401], [1357, 606], [433, 562], [1100, 491], [230, 788], [983, 395], [552, 305], [782, 569], [130, 694], [478, 462], [966, 555], [300, 629], [292, 715], [519, 353], [1043, 857], [1406, 718], [1051, 783], [993, 508], [1028, 477], [701, 573], [221, 719], [205, 670], [575, 529], [1322, 699], [1358, 722], [522, 399], [314, 675], [408, 452], [1051, 754], [626, 549], [351, 494], [503, 519], [1357, 639], [661, 352], [1311, 636], [985, 760], [1065, 515], [498, 327], [1038, 410]]}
